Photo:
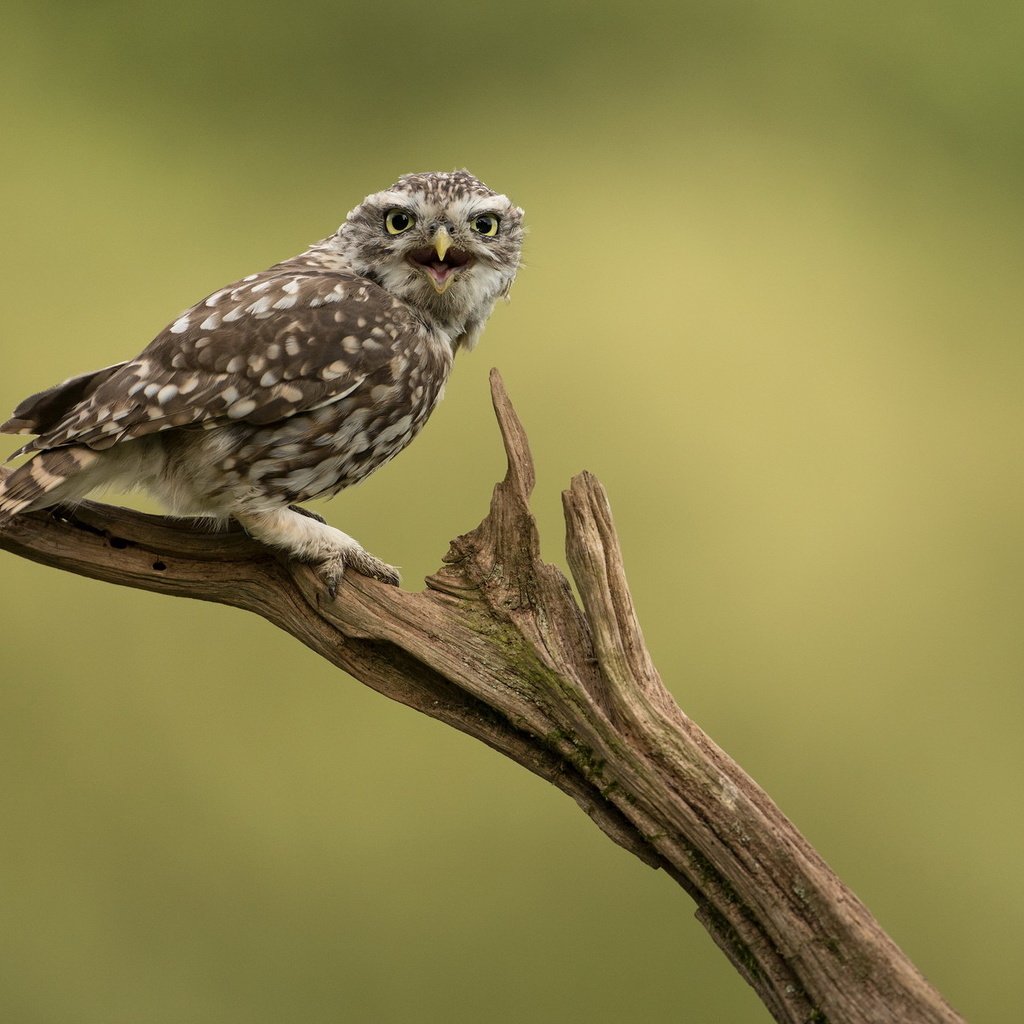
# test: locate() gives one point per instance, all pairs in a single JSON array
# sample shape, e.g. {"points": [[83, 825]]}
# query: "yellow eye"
{"points": [[485, 224], [398, 221]]}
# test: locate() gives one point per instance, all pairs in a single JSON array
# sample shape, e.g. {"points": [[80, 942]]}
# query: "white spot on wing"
{"points": [[334, 370], [241, 408]]}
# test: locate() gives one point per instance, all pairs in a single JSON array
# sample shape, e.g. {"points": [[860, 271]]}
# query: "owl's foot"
{"points": [[307, 538], [332, 571]]}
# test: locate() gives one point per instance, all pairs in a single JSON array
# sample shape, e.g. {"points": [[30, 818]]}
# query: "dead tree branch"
{"points": [[497, 647]]}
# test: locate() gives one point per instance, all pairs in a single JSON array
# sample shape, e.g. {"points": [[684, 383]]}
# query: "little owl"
{"points": [[291, 384]]}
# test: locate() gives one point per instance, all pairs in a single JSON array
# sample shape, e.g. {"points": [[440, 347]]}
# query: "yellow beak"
{"points": [[441, 242]]}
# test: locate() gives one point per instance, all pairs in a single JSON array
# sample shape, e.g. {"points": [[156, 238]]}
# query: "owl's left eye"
{"points": [[485, 224], [398, 221]]}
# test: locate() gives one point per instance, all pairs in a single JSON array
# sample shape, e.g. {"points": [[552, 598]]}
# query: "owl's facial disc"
{"points": [[439, 260]]}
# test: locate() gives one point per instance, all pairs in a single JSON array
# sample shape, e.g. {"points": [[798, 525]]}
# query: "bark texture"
{"points": [[498, 647]]}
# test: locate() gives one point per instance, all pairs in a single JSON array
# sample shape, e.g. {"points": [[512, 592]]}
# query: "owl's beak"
{"points": [[439, 260], [441, 242]]}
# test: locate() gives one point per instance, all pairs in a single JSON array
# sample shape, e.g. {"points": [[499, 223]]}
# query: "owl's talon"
{"points": [[369, 565], [332, 571]]}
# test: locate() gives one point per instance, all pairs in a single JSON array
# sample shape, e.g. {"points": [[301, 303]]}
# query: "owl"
{"points": [[290, 384]]}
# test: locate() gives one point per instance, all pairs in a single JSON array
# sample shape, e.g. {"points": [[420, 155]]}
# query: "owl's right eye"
{"points": [[398, 221]]}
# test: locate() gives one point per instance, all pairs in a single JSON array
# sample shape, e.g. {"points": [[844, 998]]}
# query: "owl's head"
{"points": [[443, 242]]}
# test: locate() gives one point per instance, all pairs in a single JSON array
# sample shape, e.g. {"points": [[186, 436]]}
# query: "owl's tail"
{"points": [[46, 479]]}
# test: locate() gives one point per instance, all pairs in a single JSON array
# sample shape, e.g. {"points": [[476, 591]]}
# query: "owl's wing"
{"points": [[275, 344], [39, 412]]}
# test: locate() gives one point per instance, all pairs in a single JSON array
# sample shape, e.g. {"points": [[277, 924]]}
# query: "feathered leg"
{"points": [[306, 540]]}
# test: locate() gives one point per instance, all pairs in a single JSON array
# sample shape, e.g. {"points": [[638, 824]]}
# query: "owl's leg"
{"points": [[306, 512], [306, 540]]}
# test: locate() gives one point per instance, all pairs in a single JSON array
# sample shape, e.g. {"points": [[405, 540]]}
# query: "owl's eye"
{"points": [[398, 221], [485, 224]]}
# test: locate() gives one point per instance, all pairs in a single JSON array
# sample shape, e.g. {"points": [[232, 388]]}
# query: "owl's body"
{"points": [[291, 384]]}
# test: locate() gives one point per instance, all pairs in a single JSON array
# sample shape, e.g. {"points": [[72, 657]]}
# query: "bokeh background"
{"points": [[772, 297]]}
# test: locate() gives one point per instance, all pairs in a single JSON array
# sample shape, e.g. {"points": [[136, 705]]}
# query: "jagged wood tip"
{"points": [[520, 471]]}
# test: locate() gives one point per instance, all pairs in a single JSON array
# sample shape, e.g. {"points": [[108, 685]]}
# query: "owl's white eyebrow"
{"points": [[392, 198]]}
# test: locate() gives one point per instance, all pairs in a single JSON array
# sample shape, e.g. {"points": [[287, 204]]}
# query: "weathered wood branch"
{"points": [[497, 647]]}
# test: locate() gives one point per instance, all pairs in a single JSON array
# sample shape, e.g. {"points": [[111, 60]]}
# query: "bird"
{"points": [[290, 384]]}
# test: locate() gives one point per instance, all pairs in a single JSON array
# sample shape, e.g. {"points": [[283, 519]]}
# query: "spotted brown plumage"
{"points": [[290, 384]]}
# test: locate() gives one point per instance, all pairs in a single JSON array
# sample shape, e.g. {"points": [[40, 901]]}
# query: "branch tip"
{"points": [[521, 472]]}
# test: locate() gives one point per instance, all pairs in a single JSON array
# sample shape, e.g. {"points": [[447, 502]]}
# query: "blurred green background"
{"points": [[772, 297]]}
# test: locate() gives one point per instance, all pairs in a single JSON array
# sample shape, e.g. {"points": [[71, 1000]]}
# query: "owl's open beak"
{"points": [[441, 273], [441, 242], [440, 260]]}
